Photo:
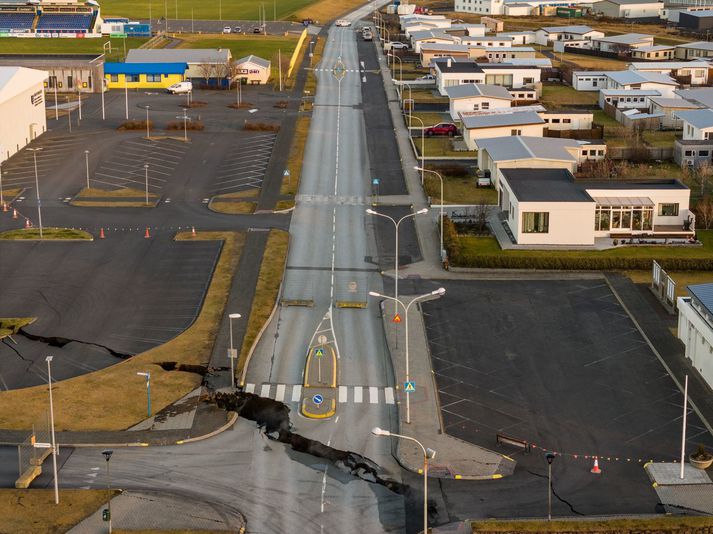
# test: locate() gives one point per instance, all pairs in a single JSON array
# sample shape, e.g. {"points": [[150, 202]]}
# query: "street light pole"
{"points": [[37, 189], [549, 457], [423, 144], [126, 97], [441, 215], [146, 175], [86, 159], [148, 132], [401, 69], [427, 454], [48, 359], [232, 352], [147, 374], [107, 455], [433, 294]]}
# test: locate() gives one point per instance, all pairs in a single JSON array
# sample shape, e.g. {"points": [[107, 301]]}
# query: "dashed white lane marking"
{"points": [[389, 394], [280, 393], [373, 395], [296, 393], [265, 390], [250, 388], [358, 394], [342, 393]]}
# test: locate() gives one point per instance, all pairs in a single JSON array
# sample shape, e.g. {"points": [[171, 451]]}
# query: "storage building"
{"points": [[143, 75], [22, 108]]}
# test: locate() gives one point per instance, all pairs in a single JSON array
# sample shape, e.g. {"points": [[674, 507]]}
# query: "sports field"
{"points": [[215, 10], [265, 46], [11, 45]]}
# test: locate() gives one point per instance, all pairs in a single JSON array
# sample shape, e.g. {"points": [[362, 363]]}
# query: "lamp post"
{"points": [[427, 454], [48, 359], [107, 456], [550, 458], [86, 160], [232, 353], [148, 132], [410, 102], [147, 374], [185, 118], [126, 98], [146, 176], [2, 199], [56, 103], [428, 296], [396, 253], [401, 67], [423, 143], [441, 215], [37, 189]]}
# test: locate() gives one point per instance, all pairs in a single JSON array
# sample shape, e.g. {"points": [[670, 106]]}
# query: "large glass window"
{"points": [[668, 210], [623, 218], [153, 77], [535, 222]]}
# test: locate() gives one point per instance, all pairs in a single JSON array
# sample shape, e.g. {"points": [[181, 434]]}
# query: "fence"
{"points": [[641, 153], [596, 132], [664, 287], [590, 52], [29, 456], [296, 53]]}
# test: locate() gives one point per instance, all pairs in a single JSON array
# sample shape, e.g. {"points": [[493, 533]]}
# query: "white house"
{"points": [[653, 52], [535, 153], [450, 73], [629, 9], [670, 107], [519, 38], [545, 36], [589, 80], [476, 97], [567, 120], [699, 49], [633, 79], [505, 55], [22, 108], [252, 69], [622, 43], [699, 95], [487, 42], [548, 207], [477, 127], [430, 36], [627, 98], [519, 9], [697, 124], [461, 30], [430, 51], [690, 72], [695, 328], [434, 21], [499, 7]]}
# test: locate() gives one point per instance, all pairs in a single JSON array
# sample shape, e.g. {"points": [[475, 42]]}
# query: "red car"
{"points": [[444, 128]]}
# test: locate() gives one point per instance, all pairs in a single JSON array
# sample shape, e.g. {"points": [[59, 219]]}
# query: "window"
{"points": [[485, 105], [535, 222], [600, 153], [528, 80], [688, 153], [515, 132], [476, 107], [567, 121], [703, 152], [585, 153], [706, 135], [69, 81], [153, 77], [555, 121], [668, 210], [132, 78], [114, 77]]}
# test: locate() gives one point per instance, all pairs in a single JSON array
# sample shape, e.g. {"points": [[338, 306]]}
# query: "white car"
{"points": [[426, 78], [227, 29], [180, 88], [342, 22], [396, 45]]}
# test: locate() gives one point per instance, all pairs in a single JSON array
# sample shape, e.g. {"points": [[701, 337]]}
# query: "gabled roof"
{"points": [[667, 65], [590, 73], [145, 68], [470, 90], [526, 147], [431, 34], [701, 95], [16, 80], [654, 48], [626, 38], [630, 77], [178, 55], [516, 118], [255, 60], [703, 293], [677, 103], [698, 45], [581, 30], [699, 118], [509, 49], [630, 92]]}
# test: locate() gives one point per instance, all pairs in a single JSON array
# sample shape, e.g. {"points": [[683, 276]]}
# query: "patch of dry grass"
{"points": [[659, 523], [682, 279], [284, 205], [9, 194], [90, 401], [10, 326], [268, 286], [310, 87], [233, 208], [47, 233], [290, 184], [124, 192], [30, 511], [326, 10]]}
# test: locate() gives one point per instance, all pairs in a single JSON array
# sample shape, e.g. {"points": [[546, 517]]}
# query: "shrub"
{"points": [[451, 169], [261, 126], [190, 125], [134, 125], [242, 105]]}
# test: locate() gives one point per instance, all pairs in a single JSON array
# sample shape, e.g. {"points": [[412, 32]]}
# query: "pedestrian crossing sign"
{"points": [[410, 386], [397, 318], [319, 352]]}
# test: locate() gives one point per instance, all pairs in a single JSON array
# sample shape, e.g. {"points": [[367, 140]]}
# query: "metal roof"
{"points": [[178, 55], [699, 118], [704, 294], [525, 147], [447, 47], [515, 118], [630, 77], [644, 66], [15, 80], [509, 49], [544, 185], [698, 45], [705, 13], [654, 48], [470, 90], [145, 68], [623, 201], [255, 60], [626, 38], [702, 95], [679, 103], [631, 2], [581, 29], [630, 92]]}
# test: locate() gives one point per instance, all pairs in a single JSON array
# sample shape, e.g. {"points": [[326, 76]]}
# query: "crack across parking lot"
{"points": [[60, 342]]}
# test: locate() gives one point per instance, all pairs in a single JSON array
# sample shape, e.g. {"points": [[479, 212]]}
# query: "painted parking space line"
{"points": [[250, 388], [389, 395]]}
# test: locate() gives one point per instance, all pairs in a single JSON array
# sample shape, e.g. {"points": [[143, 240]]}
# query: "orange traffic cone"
{"points": [[595, 469], [193, 231], [4, 207], [147, 235], [28, 224], [14, 213], [101, 233]]}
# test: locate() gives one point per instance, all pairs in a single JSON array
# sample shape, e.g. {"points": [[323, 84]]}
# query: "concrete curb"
{"points": [[233, 419]]}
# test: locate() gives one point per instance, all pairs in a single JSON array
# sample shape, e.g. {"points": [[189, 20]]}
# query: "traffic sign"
{"points": [[286, 173], [318, 399], [375, 181], [397, 318], [319, 352], [410, 386]]}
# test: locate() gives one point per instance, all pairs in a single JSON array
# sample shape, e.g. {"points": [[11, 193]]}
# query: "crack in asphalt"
{"points": [[4, 342], [60, 342], [562, 500]]}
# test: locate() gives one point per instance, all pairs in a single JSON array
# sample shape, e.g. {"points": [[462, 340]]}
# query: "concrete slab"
{"points": [[669, 474]]}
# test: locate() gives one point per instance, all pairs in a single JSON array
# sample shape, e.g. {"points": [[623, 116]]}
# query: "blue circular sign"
{"points": [[318, 399]]}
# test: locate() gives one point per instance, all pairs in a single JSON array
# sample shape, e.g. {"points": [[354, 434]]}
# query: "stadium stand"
{"points": [[64, 23], [16, 22]]}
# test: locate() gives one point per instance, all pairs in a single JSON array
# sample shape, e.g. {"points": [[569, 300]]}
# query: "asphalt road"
{"points": [[216, 26]]}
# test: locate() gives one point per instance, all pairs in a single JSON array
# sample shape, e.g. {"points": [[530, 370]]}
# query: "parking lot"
{"points": [[558, 364], [244, 164]]}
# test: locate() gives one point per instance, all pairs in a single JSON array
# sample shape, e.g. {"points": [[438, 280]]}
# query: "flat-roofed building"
{"points": [[22, 108]]}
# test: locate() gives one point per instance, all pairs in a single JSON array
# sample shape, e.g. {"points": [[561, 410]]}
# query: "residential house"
{"points": [[440, 21], [699, 21], [567, 120], [685, 72], [622, 44], [464, 30], [431, 51], [695, 328], [476, 127], [476, 97], [653, 53], [143, 75], [699, 95], [499, 7], [252, 69], [430, 36], [695, 148], [519, 38], [589, 80], [629, 9], [634, 79], [697, 50], [549, 207], [519, 9], [209, 66], [549, 34], [487, 42], [505, 55], [627, 98], [535, 153], [449, 73], [669, 108]]}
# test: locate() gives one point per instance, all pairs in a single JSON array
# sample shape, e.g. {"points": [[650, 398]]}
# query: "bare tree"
{"points": [[704, 213], [222, 70], [207, 70]]}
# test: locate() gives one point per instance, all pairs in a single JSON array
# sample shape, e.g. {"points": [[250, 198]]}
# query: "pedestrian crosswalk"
{"points": [[345, 394], [339, 200]]}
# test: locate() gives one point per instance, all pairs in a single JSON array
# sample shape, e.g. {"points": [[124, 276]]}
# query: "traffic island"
{"points": [[48, 234], [240, 203], [118, 198]]}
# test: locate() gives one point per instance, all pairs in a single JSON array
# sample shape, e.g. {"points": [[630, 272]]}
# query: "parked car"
{"points": [[342, 22], [426, 78], [307, 22], [444, 128], [258, 29], [237, 29], [396, 45], [226, 29], [180, 87], [367, 36]]}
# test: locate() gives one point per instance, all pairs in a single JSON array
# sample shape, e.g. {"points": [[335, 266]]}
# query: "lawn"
{"points": [[682, 279], [91, 401], [653, 524], [30, 511], [290, 184], [458, 190], [47, 233], [585, 62], [435, 147], [427, 95], [10, 45], [10, 326], [659, 138], [428, 118], [560, 96], [182, 9]]}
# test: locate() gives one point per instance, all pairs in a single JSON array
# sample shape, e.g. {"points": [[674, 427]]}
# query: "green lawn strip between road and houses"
{"points": [[30, 511], [10, 326], [484, 252], [49, 233], [112, 398], [458, 190], [12, 45], [559, 96], [440, 147], [682, 279], [662, 524]]}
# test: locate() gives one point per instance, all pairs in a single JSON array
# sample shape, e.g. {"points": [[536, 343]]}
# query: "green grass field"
{"points": [[10, 45], [243, 45], [181, 9]]}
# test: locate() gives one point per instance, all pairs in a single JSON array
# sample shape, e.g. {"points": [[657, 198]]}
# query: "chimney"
{"points": [[448, 63]]}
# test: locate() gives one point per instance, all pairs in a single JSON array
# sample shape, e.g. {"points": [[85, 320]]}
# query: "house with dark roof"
{"points": [[550, 207], [695, 328], [450, 73]]}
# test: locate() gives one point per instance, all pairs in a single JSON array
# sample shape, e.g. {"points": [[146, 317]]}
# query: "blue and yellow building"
{"points": [[143, 75]]}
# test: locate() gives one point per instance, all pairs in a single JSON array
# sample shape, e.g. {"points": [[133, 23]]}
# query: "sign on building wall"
{"points": [[36, 98]]}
